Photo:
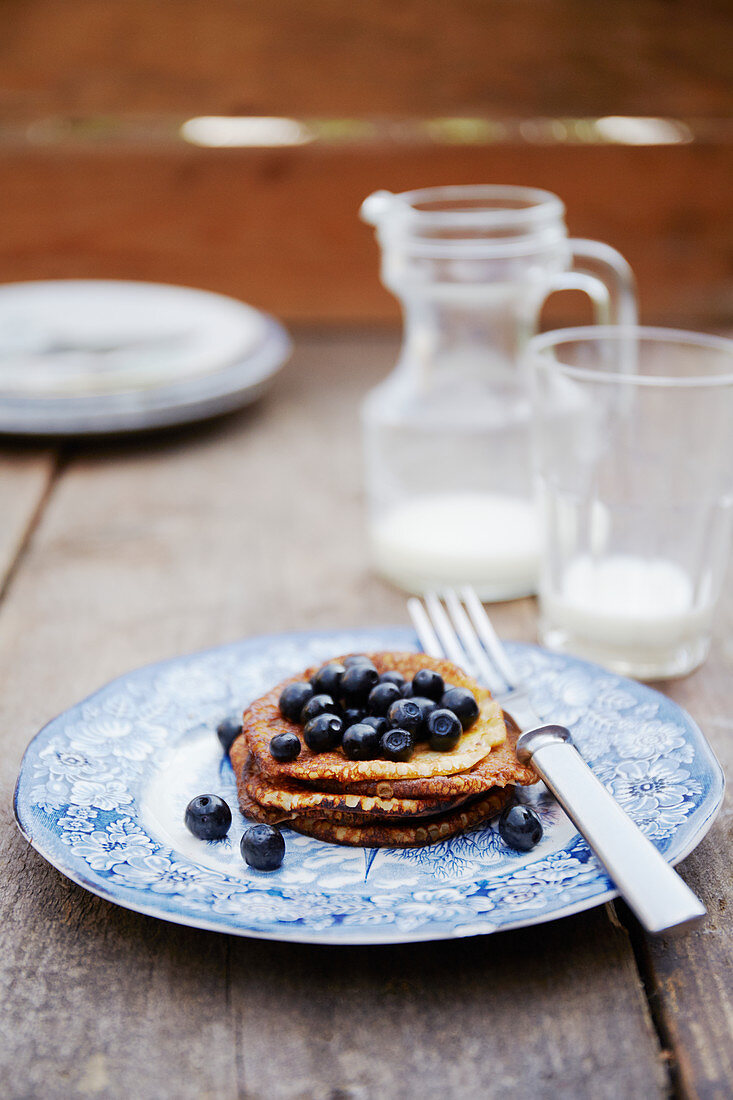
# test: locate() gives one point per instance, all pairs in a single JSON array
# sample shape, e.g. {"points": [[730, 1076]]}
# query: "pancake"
{"points": [[499, 768], [289, 797], [263, 720], [407, 833], [379, 803]]}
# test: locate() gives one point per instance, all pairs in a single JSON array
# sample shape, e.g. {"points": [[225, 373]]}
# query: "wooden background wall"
{"points": [[95, 179]]}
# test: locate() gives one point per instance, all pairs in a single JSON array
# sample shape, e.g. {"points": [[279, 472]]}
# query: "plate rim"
{"points": [[73, 874]]}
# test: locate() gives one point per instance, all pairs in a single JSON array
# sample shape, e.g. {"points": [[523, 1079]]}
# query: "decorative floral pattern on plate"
{"points": [[102, 791]]}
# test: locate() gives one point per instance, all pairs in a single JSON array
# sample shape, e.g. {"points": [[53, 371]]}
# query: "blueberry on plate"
{"points": [[317, 704], [405, 714], [323, 732], [228, 731], [463, 703], [376, 722], [293, 698], [361, 742], [428, 683], [382, 697], [444, 730], [392, 676], [208, 817], [356, 683], [263, 847], [285, 747], [397, 745], [357, 659], [327, 681], [520, 827]]}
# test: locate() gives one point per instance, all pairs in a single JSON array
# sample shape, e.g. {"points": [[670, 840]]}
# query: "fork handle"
{"points": [[651, 887]]}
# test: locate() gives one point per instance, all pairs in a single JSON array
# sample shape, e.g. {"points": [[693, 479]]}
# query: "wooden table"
{"points": [[116, 554]]}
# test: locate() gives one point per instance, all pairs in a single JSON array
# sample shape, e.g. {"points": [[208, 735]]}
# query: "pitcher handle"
{"points": [[602, 264], [604, 275]]}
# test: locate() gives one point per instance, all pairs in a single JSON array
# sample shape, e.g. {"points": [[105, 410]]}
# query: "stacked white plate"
{"points": [[90, 356]]}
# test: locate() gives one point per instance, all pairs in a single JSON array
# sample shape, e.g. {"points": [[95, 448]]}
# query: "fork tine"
{"points": [[470, 639], [488, 636], [447, 635], [424, 628]]}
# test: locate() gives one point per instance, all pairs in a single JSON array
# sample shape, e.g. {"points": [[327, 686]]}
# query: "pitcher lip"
{"points": [[483, 217], [532, 203]]}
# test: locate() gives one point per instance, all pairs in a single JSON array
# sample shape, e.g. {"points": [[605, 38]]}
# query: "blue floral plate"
{"points": [[103, 788]]}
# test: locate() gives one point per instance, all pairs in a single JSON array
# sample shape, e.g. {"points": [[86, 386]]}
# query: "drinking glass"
{"points": [[633, 466]]}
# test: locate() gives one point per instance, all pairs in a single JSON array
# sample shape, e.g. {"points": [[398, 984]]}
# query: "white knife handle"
{"points": [[651, 887]]}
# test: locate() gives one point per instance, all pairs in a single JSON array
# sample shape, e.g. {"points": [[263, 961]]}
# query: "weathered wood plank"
{"points": [[510, 57], [545, 1012], [690, 978], [156, 547], [25, 477], [281, 228]]}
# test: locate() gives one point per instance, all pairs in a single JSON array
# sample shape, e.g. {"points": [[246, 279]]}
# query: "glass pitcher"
{"points": [[447, 433]]}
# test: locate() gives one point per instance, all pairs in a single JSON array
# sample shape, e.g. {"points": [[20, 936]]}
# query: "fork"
{"points": [[459, 628]]}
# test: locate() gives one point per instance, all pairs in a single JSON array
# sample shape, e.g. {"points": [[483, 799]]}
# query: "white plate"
{"points": [[103, 789], [89, 356]]}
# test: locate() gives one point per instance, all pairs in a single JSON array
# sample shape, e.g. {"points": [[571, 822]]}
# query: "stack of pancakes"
{"points": [[380, 803]]}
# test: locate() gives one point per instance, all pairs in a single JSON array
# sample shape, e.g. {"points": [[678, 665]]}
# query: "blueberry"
{"points": [[263, 847], [397, 744], [361, 742], [323, 732], [408, 690], [228, 731], [427, 706], [520, 827], [463, 703], [317, 704], [382, 697], [208, 817], [352, 715], [285, 747], [428, 683], [357, 659], [392, 676], [327, 680], [444, 730], [405, 714], [377, 723], [356, 683], [293, 699]]}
